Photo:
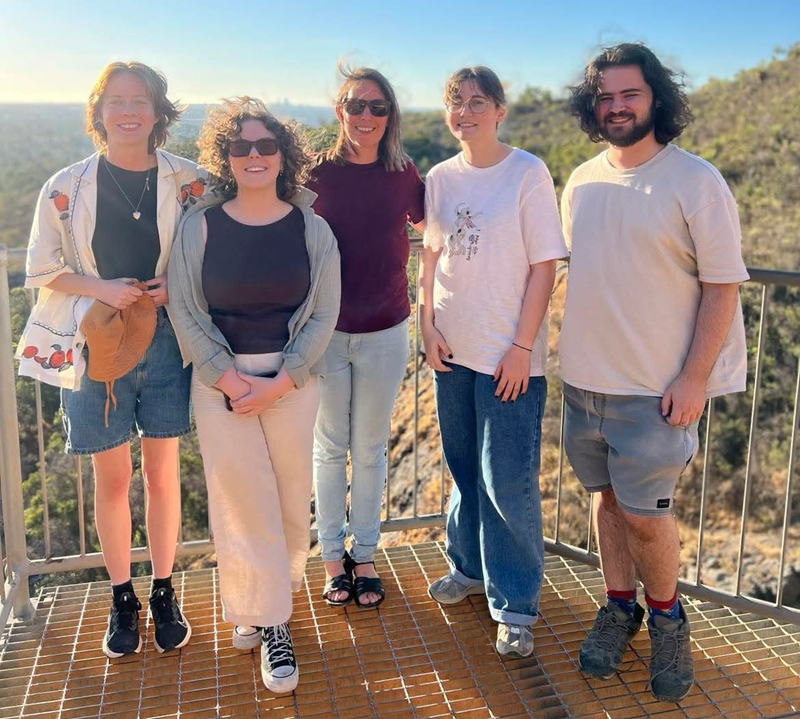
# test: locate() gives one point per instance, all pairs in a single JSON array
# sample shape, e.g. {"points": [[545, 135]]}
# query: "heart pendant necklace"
{"points": [[136, 213]]}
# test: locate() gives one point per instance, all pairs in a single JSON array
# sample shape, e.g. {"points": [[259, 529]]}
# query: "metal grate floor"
{"points": [[410, 659]]}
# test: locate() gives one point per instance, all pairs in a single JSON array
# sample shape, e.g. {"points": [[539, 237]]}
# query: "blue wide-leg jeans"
{"points": [[494, 520]]}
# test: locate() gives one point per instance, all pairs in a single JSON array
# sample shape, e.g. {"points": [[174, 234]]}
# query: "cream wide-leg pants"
{"points": [[258, 473]]}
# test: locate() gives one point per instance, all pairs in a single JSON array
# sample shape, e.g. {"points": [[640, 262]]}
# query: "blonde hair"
{"points": [[166, 112], [390, 149], [224, 123]]}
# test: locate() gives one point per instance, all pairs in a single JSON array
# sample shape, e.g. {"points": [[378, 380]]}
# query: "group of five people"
{"points": [[281, 279]]}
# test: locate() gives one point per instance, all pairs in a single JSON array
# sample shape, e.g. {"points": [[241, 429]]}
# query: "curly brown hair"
{"points": [[670, 104], [166, 111], [224, 123]]}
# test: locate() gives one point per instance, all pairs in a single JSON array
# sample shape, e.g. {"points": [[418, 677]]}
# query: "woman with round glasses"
{"points": [[256, 277], [100, 226], [491, 243], [368, 191]]}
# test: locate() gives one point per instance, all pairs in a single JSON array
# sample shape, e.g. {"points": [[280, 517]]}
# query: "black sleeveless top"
{"points": [[122, 245], [254, 278]]}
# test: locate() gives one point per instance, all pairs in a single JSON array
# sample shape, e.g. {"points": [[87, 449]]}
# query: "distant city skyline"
{"points": [[289, 52]]}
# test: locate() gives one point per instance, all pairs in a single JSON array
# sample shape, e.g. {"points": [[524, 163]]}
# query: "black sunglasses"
{"points": [[354, 106], [242, 148]]}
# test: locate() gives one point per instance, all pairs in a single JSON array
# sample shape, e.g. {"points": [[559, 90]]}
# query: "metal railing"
{"points": [[18, 566]]}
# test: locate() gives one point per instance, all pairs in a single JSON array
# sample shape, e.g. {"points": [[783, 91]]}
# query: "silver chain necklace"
{"points": [[136, 213]]}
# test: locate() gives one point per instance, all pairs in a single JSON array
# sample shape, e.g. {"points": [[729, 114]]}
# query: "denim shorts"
{"points": [[152, 399], [622, 442]]}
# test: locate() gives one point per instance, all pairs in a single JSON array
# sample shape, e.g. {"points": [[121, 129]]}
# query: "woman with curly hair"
{"points": [[369, 191], [102, 233], [256, 278]]}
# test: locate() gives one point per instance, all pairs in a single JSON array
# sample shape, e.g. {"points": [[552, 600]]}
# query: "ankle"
{"points": [[669, 608], [119, 589], [625, 599], [165, 583]]}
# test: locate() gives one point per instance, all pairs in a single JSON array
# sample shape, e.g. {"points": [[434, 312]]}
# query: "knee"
{"points": [[643, 528], [372, 456], [113, 486], [159, 481]]}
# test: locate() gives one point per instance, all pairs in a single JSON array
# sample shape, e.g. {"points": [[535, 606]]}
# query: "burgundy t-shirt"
{"points": [[367, 208]]}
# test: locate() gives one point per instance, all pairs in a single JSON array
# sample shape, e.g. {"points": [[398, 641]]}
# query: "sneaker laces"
{"points": [[279, 645], [164, 607], [125, 612], [609, 630], [664, 643]]}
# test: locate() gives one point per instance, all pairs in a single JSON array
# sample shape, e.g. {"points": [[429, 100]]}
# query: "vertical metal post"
{"points": [[787, 505], [415, 354], [10, 464], [703, 493], [42, 460], [748, 476], [557, 529], [81, 510]]}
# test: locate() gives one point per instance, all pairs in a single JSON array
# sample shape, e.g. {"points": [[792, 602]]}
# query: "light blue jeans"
{"points": [[357, 394], [494, 521]]}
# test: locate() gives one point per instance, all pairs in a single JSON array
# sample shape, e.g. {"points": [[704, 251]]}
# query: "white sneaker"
{"points": [[246, 638], [448, 590], [279, 670], [514, 640]]}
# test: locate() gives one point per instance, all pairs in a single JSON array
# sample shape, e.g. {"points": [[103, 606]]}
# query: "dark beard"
{"points": [[638, 132]]}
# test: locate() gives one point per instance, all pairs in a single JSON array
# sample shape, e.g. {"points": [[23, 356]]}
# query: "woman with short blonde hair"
{"points": [[103, 232]]}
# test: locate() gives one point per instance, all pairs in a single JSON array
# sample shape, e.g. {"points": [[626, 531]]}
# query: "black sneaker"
{"points": [[122, 636], [172, 629], [671, 666], [602, 650], [279, 670]]}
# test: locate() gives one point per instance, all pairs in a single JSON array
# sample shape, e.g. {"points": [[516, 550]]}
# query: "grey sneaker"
{"points": [[601, 652], [246, 638], [514, 640], [279, 670], [671, 667], [448, 590]]}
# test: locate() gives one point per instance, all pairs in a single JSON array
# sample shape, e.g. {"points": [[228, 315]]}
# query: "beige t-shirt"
{"points": [[642, 241]]}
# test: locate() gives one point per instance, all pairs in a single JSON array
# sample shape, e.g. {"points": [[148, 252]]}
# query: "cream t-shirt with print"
{"points": [[491, 224], [642, 240]]}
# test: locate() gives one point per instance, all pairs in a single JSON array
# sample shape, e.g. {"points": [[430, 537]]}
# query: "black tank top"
{"points": [[254, 278], [124, 246]]}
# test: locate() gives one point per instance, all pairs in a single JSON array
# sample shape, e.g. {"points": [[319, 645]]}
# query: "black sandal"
{"points": [[366, 585], [340, 583]]}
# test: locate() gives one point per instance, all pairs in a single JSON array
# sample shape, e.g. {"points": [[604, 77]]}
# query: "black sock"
{"points": [[165, 583], [120, 589]]}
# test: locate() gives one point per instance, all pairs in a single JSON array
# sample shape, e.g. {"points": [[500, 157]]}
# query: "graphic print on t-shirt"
{"points": [[463, 240]]}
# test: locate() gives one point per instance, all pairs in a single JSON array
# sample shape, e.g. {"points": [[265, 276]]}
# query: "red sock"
{"points": [[629, 595], [661, 606]]}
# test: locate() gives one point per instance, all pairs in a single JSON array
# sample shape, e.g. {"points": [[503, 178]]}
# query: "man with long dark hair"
{"points": [[652, 327]]}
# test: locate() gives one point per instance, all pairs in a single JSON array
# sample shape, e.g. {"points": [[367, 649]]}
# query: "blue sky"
{"points": [[52, 51]]}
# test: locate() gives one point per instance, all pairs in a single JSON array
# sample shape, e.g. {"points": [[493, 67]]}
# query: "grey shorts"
{"points": [[622, 442]]}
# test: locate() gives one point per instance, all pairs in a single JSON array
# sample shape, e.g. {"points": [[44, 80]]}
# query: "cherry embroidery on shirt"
{"points": [[61, 201]]}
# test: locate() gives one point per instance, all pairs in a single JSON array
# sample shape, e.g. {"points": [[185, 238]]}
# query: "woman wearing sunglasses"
{"points": [[99, 226], [491, 244], [256, 277], [368, 191]]}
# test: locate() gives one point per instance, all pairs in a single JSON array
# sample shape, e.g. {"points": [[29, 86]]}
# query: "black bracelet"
{"points": [[522, 348]]}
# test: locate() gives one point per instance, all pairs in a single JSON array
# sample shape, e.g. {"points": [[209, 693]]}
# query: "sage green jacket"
{"points": [[310, 327]]}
